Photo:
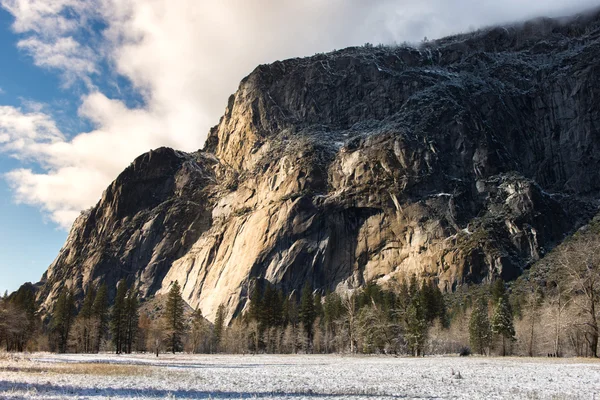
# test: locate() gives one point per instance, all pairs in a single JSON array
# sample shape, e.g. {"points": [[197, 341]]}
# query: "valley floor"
{"points": [[104, 376]]}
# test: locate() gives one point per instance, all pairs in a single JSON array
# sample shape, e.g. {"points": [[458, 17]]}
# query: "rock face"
{"points": [[461, 160]]}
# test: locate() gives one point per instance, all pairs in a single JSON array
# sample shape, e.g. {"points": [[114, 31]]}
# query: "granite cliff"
{"points": [[460, 160]]}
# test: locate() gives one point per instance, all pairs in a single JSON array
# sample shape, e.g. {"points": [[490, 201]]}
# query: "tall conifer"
{"points": [[62, 318], [219, 326], [118, 320], [479, 327], [100, 312], [307, 314], [131, 319], [502, 322], [174, 318]]}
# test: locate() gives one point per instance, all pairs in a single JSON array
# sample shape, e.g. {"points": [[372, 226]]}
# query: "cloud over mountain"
{"points": [[183, 59]]}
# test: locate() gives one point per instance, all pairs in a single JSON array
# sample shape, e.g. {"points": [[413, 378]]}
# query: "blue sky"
{"points": [[88, 85], [28, 241], [29, 238]]}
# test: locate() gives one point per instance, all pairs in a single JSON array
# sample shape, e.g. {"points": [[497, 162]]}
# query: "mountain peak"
{"points": [[459, 160]]}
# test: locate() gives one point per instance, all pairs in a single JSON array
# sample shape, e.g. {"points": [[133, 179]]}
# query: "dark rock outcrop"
{"points": [[461, 160]]}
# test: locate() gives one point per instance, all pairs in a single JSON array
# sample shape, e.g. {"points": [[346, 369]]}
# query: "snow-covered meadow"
{"points": [[50, 376]]}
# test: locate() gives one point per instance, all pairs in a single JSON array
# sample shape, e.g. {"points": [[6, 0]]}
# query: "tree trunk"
{"points": [[557, 332], [530, 349], [594, 340]]}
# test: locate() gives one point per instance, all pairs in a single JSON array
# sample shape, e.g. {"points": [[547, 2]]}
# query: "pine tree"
{"points": [[497, 290], [389, 304], [502, 322], [479, 327], [85, 318], [318, 305], [440, 305], [198, 331], [131, 319], [277, 316], [219, 326], [403, 301], [332, 309], [318, 325], [416, 326], [413, 287], [255, 310], [100, 313], [290, 311], [62, 318], [88, 303], [174, 318], [118, 319], [307, 313], [428, 301], [267, 316], [433, 303]]}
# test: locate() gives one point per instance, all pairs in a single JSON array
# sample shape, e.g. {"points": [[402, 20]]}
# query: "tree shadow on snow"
{"points": [[167, 364], [41, 389]]}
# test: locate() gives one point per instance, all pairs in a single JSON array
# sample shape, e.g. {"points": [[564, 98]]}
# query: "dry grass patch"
{"points": [[99, 369], [16, 357], [102, 369], [25, 369], [78, 368]]}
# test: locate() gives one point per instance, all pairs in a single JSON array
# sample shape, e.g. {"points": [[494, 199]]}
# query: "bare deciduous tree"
{"points": [[350, 320], [580, 264]]}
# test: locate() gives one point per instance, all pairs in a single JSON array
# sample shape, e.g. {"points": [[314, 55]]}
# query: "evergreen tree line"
{"points": [[552, 310], [177, 330], [124, 318], [98, 326], [370, 320], [19, 324], [483, 329]]}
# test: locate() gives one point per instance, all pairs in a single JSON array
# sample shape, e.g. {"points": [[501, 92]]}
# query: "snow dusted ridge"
{"points": [[299, 377]]}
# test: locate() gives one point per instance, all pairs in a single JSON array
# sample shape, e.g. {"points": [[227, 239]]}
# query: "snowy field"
{"points": [[50, 376]]}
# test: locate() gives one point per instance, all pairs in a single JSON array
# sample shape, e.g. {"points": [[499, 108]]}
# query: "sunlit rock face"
{"points": [[460, 161]]}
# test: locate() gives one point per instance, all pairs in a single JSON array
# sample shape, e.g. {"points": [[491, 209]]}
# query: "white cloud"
{"points": [[75, 171], [63, 53], [42, 16], [22, 130], [185, 57], [62, 192]]}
